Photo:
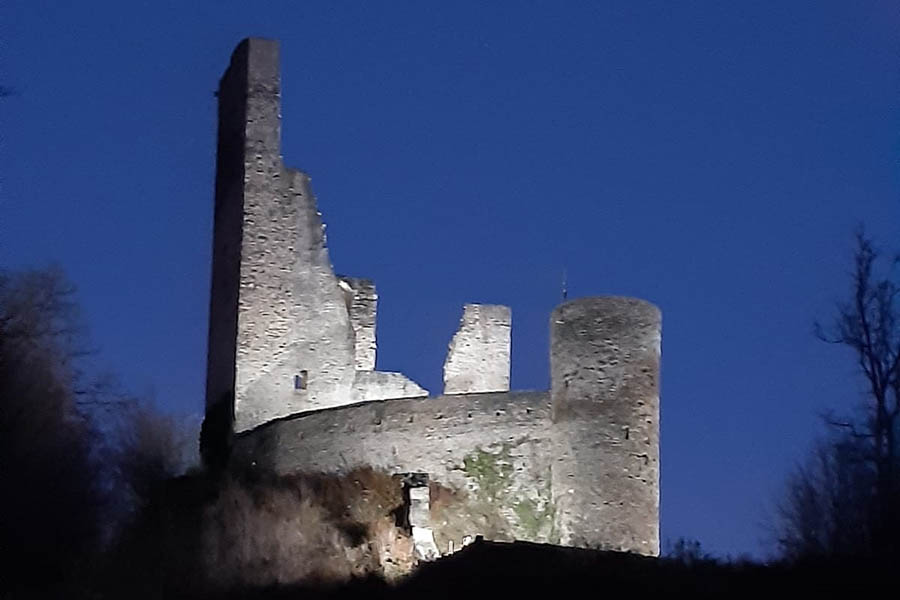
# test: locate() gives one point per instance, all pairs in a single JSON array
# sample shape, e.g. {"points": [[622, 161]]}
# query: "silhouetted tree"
{"points": [[152, 448], [50, 500], [844, 499], [687, 551], [826, 509]]}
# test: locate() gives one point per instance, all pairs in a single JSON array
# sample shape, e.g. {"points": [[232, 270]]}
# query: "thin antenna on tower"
{"points": [[565, 285]]}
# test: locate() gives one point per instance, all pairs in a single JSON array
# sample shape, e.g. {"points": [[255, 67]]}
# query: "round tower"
{"points": [[604, 367]]}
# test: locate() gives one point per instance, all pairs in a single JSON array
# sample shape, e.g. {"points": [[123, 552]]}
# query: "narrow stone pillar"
{"points": [[362, 304], [420, 517], [478, 359]]}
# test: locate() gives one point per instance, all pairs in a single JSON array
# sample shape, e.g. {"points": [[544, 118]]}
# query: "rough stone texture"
{"points": [[362, 304], [227, 223], [420, 522], [496, 448], [278, 313], [604, 362], [384, 385], [291, 313], [478, 360]]}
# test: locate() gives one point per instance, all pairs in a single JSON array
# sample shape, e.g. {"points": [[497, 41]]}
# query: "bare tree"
{"points": [[50, 501], [79, 458], [153, 447], [844, 498], [825, 510]]}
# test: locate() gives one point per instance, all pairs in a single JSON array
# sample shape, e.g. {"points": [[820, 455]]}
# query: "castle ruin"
{"points": [[292, 384]]}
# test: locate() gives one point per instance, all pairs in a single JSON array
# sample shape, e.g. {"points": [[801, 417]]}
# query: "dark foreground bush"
{"points": [[201, 535]]}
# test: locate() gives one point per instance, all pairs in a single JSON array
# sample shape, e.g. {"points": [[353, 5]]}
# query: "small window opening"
{"points": [[300, 380]]}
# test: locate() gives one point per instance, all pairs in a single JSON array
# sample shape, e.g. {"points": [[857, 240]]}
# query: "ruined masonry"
{"points": [[292, 384]]}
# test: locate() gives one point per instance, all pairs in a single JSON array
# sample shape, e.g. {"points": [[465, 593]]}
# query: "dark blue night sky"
{"points": [[713, 158]]}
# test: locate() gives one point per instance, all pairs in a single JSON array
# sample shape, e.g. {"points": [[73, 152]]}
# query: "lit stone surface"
{"points": [[417, 435], [283, 332], [384, 385], [495, 448], [420, 522], [362, 304], [478, 360], [604, 362], [291, 314]]}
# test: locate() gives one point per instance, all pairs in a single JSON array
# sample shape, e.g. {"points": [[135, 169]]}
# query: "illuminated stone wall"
{"points": [[282, 332], [478, 357], [604, 366], [493, 451]]}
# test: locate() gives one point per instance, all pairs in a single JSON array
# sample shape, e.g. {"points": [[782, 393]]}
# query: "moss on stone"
{"points": [[537, 517], [493, 474], [491, 471]]}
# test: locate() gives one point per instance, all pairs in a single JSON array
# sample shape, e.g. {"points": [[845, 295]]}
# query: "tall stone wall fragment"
{"points": [[478, 358], [604, 362], [286, 336], [226, 259], [362, 303], [295, 348]]}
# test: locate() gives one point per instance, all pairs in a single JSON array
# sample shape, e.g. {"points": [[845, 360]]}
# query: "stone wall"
{"points": [[604, 362], [226, 251], [283, 330], [362, 304], [379, 385], [478, 357], [493, 451]]}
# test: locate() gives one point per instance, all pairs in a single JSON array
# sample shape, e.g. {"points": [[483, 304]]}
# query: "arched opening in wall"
{"points": [[300, 380]]}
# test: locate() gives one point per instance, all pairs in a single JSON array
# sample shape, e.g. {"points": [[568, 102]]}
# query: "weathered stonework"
{"points": [[379, 385], [604, 365], [494, 448], [478, 359], [292, 385], [420, 522], [282, 326], [362, 304]]}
